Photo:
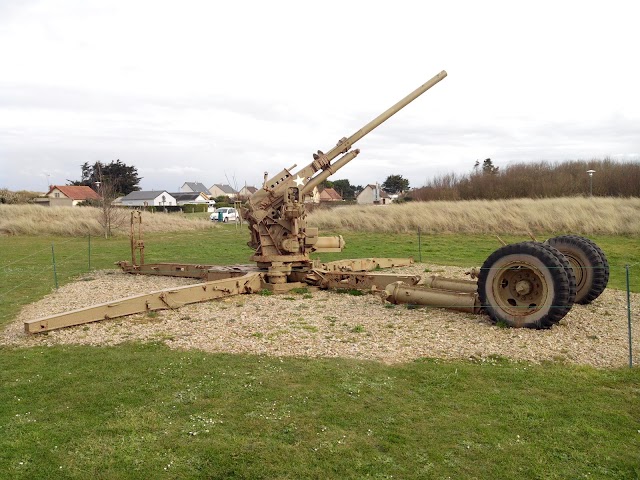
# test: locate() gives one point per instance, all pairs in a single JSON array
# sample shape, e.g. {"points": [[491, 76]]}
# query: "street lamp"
{"points": [[591, 172]]}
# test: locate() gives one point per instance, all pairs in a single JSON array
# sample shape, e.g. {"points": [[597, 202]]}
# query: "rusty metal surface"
{"points": [[399, 292], [363, 264], [454, 284], [159, 300], [362, 281], [276, 213]]}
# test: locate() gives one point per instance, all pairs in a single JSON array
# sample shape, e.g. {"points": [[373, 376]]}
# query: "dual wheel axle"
{"points": [[534, 285]]}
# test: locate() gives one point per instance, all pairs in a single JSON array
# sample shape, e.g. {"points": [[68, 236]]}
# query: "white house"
{"points": [[151, 198], [373, 195], [198, 198]]}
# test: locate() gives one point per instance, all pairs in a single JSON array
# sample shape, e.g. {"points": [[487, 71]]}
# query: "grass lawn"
{"points": [[144, 411]]}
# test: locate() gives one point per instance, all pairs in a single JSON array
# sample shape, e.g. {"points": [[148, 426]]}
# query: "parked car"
{"points": [[224, 214]]}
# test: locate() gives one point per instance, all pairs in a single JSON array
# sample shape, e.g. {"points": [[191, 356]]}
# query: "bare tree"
{"points": [[110, 217]]}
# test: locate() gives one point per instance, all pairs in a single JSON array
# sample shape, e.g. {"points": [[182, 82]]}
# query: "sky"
{"points": [[221, 92]]}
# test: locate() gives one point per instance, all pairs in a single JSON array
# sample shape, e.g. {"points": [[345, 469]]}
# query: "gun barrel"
{"points": [[384, 116], [330, 170]]}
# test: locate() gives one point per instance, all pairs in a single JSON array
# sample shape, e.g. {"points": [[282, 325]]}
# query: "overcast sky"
{"points": [[219, 92]]}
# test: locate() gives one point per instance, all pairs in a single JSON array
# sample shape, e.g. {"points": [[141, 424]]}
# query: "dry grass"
{"points": [[586, 216], [77, 221]]}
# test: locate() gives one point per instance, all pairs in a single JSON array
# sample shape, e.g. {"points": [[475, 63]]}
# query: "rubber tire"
{"points": [[225, 220], [604, 260], [557, 301], [571, 277], [593, 274]]}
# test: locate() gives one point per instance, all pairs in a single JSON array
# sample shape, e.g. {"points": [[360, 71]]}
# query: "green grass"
{"points": [[143, 411], [472, 250], [26, 265]]}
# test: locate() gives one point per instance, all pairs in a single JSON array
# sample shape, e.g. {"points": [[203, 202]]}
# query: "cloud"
{"points": [[213, 90]]}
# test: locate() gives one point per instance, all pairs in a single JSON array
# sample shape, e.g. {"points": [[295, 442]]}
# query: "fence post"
{"points": [[419, 247], [89, 251], [55, 274], [629, 317]]}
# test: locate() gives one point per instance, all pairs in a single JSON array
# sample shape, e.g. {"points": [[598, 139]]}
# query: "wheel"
{"points": [[225, 219], [589, 265], [524, 285], [604, 261], [571, 277]]}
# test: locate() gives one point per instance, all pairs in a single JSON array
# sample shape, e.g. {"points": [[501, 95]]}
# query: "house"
{"points": [[220, 189], [194, 187], [67, 195], [198, 198], [330, 195], [151, 198], [246, 191], [373, 195]]}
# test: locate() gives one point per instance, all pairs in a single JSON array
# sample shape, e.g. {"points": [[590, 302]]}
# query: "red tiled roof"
{"points": [[76, 192]]}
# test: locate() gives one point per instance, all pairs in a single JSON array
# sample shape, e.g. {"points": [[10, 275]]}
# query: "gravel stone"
{"points": [[330, 324]]}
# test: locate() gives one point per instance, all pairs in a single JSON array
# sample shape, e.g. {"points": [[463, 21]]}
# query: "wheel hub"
{"points": [[520, 289], [523, 287]]}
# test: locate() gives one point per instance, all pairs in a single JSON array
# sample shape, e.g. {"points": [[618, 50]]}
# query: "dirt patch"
{"points": [[329, 324]]}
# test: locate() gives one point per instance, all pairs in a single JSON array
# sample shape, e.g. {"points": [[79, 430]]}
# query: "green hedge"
{"points": [[195, 207]]}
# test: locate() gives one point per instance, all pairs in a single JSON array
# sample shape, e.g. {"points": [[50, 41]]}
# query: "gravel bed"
{"points": [[330, 324]]}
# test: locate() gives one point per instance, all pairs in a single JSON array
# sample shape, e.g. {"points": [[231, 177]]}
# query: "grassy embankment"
{"points": [[579, 215], [143, 411]]}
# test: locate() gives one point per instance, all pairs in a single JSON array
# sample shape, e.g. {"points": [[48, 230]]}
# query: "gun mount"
{"points": [[276, 213], [527, 284]]}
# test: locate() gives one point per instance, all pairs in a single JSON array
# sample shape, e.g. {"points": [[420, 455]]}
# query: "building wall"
{"points": [[216, 192], [367, 197], [156, 202], [54, 202]]}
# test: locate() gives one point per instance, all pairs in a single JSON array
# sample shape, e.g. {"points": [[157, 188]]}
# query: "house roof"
{"points": [[74, 192], [196, 187], [186, 196], [145, 195], [330, 193], [225, 188], [250, 189]]}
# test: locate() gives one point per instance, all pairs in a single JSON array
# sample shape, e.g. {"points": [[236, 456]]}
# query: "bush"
{"points": [[195, 208], [537, 180], [14, 198]]}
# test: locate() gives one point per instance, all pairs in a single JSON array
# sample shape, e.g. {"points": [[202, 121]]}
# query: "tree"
{"points": [[121, 178], [345, 189], [395, 184], [488, 168], [109, 216]]}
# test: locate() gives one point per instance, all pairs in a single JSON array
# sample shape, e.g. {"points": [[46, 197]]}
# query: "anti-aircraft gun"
{"points": [[276, 213], [527, 284]]}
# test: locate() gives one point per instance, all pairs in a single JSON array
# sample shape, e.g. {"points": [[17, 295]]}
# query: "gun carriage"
{"points": [[528, 284]]}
